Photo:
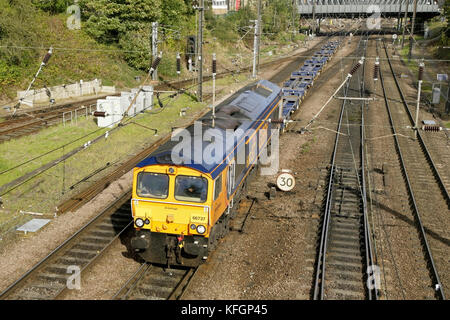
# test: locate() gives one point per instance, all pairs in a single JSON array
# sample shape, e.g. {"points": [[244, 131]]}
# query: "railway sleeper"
{"points": [[58, 268], [106, 227], [348, 199], [161, 281], [351, 286], [354, 238], [346, 295], [343, 273], [88, 247], [31, 295], [350, 252], [345, 232], [39, 290], [352, 203], [79, 253], [101, 234], [350, 207], [347, 223], [138, 296], [344, 245], [344, 283], [344, 260], [49, 288], [339, 265], [54, 277], [97, 240], [345, 215], [68, 260], [156, 292]]}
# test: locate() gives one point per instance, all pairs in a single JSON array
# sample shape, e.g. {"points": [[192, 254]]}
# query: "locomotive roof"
{"points": [[234, 117]]}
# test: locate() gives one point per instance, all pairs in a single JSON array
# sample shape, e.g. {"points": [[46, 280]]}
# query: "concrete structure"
{"points": [[115, 107], [364, 8], [66, 91]]}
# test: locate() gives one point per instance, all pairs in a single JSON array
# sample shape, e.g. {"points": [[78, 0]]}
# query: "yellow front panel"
{"points": [[170, 215], [169, 218]]}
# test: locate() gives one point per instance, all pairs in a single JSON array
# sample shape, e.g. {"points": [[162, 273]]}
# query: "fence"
{"points": [[75, 114]]}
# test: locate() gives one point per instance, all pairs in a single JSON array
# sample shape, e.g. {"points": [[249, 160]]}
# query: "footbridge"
{"points": [[363, 8]]}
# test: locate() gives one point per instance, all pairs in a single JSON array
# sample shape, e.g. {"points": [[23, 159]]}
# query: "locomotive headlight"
{"points": [[139, 222], [193, 226], [201, 229]]}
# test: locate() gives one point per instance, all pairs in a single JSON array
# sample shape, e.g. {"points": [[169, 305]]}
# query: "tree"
{"points": [[54, 6], [107, 20], [447, 15]]}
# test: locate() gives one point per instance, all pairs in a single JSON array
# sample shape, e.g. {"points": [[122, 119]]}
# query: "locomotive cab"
{"points": [[172, 214]]}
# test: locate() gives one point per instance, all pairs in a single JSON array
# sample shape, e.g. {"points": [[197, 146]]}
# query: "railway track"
{"points": [[427, 190], [29, 122], [54, 275], [345, 254], [83, 197], [152, 282], [35, 120], [50, 278]]}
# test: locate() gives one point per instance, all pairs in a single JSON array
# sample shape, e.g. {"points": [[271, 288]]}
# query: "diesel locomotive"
{"points": [[184, 192]]}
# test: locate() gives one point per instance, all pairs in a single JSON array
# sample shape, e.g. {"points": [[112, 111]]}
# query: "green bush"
{"points": [[8, 74], [53, 6], [137, 48]]}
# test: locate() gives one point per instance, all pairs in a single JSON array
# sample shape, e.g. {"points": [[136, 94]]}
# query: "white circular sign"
{"points": [[285, 181], [394, 36]]}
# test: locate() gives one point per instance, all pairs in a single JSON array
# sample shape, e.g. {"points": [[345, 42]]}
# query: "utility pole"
{"points": [[405, 23], [259, 33], [314, 16], [154, 47], [411, 36], [421, 67], [294, 30], [447, 103], [200, 50], [214, 72], [399, 19], [255, 48]]}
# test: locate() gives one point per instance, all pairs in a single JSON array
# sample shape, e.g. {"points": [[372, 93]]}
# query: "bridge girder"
{"points": [[364, 8]]}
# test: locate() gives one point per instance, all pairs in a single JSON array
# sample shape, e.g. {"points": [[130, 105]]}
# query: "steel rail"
{"points": [[428, 255], [320, 276], [131, 283], [370, 262], [50, 258], [141, 281], [419, 136], [321, 259]]}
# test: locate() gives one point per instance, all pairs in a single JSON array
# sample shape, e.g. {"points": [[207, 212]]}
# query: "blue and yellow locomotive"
{"points": [[181, 208], [182, 202]]}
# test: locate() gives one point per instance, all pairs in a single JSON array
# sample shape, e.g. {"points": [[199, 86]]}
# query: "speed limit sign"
{"points": [[285, 181]]}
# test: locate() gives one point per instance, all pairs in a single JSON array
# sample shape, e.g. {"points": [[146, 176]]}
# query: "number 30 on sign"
{"points": [[285, 181]]}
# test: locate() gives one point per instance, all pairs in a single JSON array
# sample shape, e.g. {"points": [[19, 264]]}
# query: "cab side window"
{"points": [[218, 187]]}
